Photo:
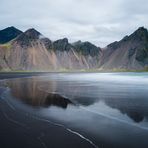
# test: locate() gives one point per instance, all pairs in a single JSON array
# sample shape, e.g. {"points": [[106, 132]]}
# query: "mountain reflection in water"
{"points": [[42, 93], [110, 109], [28, 91]]}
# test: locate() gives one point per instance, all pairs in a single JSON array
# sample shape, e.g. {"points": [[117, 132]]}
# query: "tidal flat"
{"points": [[101, 110]]}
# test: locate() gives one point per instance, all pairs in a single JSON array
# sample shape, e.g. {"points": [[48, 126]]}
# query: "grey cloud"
{"points": [[97, 21]]}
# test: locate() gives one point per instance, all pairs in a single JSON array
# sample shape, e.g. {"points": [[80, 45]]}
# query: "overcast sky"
{"points": [[98, 21]]}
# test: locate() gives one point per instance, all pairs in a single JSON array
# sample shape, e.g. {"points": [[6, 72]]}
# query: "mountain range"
{"points": [[31, 51]]}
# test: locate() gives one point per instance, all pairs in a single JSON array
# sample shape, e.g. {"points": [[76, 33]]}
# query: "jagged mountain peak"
{"points": [[64, 40], [141, 29], [33, 33], [28, 36], [85, 44], [8, 34], [88, 44], [10, 28], [86, 48], [141, 33], [62, 44], [130, 53], [77, 43]]}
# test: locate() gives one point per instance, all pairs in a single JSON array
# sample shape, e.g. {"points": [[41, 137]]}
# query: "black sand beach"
{"points": [[74, 110], [21, 130]]}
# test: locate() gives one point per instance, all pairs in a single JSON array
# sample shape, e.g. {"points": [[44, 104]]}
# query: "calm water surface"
{"points": [[110, 110]]}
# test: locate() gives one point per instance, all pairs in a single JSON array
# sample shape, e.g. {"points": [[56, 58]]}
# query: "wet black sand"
{"points": [[40, 111], [8, 75], [21, 130]]}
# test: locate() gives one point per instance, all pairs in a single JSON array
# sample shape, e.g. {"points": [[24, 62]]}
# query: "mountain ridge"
{"points": [[30, 50], [131, 52]]}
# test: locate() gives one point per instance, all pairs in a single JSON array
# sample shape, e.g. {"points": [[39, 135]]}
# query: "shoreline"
{"points": [[75, 71], [20, 129]]}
